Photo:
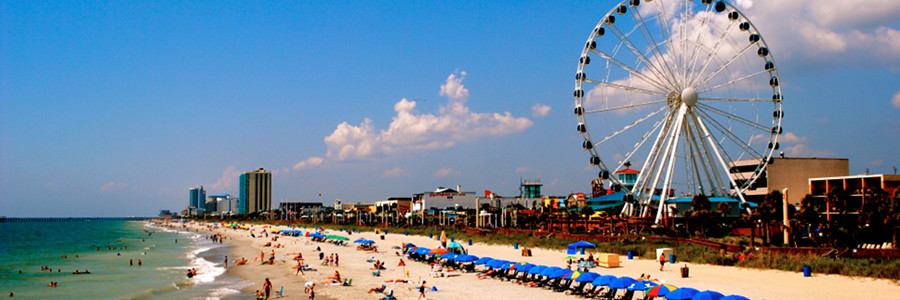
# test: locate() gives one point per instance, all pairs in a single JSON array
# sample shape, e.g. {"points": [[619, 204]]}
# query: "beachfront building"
{"points": [[792, 173], [255, 191], [849, 194], [222, 205], [197, 197], [444, 198], [300, 210]]}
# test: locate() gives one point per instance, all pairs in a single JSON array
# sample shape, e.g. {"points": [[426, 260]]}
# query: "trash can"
{"points": [[630, 255], [582, 251], [406, 233], [807, 271], [451, 240], [671, 258], [516, 246], [470, 242], [430, 236], [685, 272]]}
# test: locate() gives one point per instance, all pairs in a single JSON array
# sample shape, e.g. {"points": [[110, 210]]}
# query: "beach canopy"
{"points": [[483, 260], [642, 285], [587, 277], [734, 297], [708, 295], [661, 290], [573, 248], [682, 294], [621, 282], [603, 280]]}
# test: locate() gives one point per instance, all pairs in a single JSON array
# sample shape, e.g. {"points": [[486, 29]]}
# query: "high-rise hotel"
{"points": [[255, 191], [197, 197]]}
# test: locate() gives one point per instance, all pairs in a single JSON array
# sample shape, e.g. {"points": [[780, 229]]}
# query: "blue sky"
{"points": [[118, 108]]}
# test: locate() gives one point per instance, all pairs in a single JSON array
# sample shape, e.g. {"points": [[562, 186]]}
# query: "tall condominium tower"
{"points": [[256, 191], [198, 197]]}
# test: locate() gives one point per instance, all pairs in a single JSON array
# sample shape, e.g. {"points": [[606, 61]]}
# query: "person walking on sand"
{"points": [[422, 291], [662, 261], [311, 290], [267, 286]]}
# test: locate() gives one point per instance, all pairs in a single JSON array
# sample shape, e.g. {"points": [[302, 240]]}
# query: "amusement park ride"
{"points": [[685, 87]]}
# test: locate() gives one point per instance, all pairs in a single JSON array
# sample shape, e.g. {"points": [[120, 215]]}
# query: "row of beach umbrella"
{"points": [[650, 288]]}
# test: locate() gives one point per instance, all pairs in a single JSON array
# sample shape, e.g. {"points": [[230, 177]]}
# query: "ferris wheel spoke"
{"points": [[719, 154], [628, 69], [702, 35], [635, 123], [732, 117], [626, 88], [642, 25], [667, 35], [715, 179], [724, 66], [641, 143], [716, 48], [735, 99], [639, 55], [734, 81], [643, 177], [626, 107], [727, 133]]}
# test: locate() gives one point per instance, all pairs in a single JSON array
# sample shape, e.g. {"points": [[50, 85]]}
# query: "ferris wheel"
{"points": [[686, 91]]}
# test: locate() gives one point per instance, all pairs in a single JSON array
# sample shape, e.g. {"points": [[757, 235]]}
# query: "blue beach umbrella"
{"points": [[524, 267], [587, 277], [603, 280], [549, 271], [708, 295], [621, 282], [466, 258], [682, 294], [449, 256], [483, 260], [560, 273], [408, 245], [536, 269], [734, 297]]}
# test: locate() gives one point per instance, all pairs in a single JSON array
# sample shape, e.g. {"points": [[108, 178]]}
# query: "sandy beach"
{"points": [[751, 283]]}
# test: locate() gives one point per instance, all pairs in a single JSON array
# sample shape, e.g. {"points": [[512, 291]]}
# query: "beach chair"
{"points": [[563, 285], [578, 289], [627, 296], [280, 293], [609, 294]]}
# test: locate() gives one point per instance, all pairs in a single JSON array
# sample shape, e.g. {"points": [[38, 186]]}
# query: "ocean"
{"points": [[111, 251]]}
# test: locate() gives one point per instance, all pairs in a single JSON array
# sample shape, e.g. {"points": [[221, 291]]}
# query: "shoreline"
{"points": [[751, 283]]}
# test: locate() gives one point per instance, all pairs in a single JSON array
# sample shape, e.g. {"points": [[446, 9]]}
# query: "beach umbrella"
{"points": [[524, 267], [661, 290], [443, 236], [368, 242], [359, 240], [549, 271], [708, 295], [536, 269], [569, 257], [466, 258], [573, 248], [603, 280], [734, 297], [682, 294], [587, 277], [642, 285], [483, 260], [573, 275], [337, 237], [408, 245], [438, 251], [560, 273], [449, 256], [621, 282], [508, 265]]}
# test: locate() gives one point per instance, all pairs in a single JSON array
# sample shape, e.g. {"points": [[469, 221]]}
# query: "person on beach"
{"points": [[260, 295], [662, 261], [140, 263], [267, 286], [226, 261], [378, 289], [422, 291], [311, 290]]}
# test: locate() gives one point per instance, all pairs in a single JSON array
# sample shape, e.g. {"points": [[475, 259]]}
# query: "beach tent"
{"points": [[456, 248]]}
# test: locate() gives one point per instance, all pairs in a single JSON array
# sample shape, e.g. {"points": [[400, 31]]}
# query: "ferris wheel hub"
{"points": [[689, 96]]}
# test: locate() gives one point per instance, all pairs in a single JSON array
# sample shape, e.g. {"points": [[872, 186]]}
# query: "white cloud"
{"points": [[112, 185], [411, 130], [831, 33], [395, 172], [540, 110], [896, 100], [792, 138], [523, 169], [802, 150], [447, 172], [454, 88], [228, 181], [876, 162], [309, 163]]}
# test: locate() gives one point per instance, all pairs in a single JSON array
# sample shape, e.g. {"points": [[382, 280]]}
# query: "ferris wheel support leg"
{"points": [[660, 160], [722, 162], [664, 195]]}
